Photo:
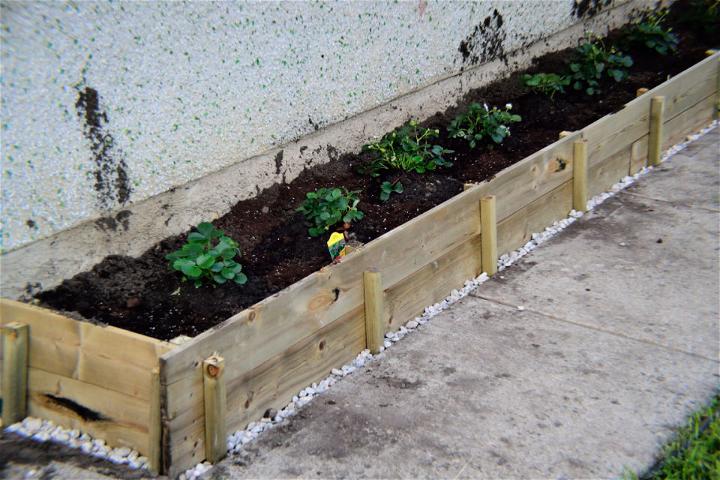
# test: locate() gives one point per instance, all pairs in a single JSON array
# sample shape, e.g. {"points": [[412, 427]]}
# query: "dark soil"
{"points": [[145, 296]]}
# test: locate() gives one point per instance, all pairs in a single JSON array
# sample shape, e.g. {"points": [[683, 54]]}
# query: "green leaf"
{"points": [[205, 261], [197, 237], [219, 279], [227, 273], [240, 279], [191, 271], [217, 267], [206, 229]]}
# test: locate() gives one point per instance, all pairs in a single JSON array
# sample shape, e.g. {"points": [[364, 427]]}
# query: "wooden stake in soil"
{"points": [[215, 408], [488, 235], [154, 448], [657, 107], [580, 175], [374, 308], [14, 372], [641, 91]]}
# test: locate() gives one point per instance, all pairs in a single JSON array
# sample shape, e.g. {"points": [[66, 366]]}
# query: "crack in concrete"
{"points": [[670, 202], [591, 327]]}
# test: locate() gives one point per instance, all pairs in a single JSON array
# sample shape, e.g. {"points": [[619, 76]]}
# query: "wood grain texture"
{"points": [[108, 357], [15, 337], [374, 311]]}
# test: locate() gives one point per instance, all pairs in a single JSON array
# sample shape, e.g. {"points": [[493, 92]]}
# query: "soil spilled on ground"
{"points": [[144, 295]]}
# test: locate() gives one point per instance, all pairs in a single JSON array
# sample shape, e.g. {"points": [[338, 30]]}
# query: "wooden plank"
{"points": [[612, 133], [14, 372], [517, 229], [374, 311], [121, 420], [638, 154], [695, 118], [215, 403], [432, 283], [580, 176], [109, 357], [603, 175], [655, 140], [270, 385], [488, 220]]}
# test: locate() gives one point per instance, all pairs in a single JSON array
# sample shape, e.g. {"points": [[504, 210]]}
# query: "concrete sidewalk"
{"points": [[577, 362]]}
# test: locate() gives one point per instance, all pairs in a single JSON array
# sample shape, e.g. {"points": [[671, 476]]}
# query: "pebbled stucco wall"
{"points": [[105, 104]]}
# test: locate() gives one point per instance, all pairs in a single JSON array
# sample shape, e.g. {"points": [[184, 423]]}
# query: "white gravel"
{"points": [[45, 430]]}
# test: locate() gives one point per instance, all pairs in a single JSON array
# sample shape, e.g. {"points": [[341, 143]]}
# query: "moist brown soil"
{"points": [[143, 295]]}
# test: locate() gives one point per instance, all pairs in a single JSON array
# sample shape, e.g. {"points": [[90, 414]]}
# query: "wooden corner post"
{"points": [[580, 175], [14, 372], [374, 308], [215, 408], [488, 235], [657, 107]]}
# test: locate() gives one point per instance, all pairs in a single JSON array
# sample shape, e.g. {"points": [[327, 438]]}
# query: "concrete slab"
{"points": [[485, 390], [691, 177], [635, 266]]}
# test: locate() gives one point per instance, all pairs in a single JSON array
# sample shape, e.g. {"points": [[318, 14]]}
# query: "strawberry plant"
{"points": [[481, 122], [326, 207], [408, 149], [547, 83], [210, 255], [594, 62], [388, 188], [650, 33]]}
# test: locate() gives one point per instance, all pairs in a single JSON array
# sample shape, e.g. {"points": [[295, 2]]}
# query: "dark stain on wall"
{"points": [[111, 179], [121, 220], [278, 162], [486, 41], [588, 8]]}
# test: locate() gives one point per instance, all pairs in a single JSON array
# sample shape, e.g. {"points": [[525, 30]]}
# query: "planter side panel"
{"points": [[445, 249], [617, 143], [89, 377]]}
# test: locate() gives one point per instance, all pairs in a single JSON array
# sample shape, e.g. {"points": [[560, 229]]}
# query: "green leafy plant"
{"points": [[594, 62], [480, 122], [326, 207], [650, 33], [408, 149], [547, 83], [210, 255], [388, 188]]}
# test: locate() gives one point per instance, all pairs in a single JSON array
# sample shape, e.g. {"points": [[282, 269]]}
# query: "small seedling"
{"points": [[326, 207], [388, 188], [208, 254], [650, 33], [481, 122], [407, 149], [594, 62], [547, 83]]}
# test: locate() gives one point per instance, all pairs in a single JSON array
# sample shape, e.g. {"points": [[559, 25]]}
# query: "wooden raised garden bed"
{"points": [[155, 396]]}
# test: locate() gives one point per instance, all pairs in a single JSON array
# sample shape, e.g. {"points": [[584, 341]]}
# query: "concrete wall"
{"points": [[105, 106]]}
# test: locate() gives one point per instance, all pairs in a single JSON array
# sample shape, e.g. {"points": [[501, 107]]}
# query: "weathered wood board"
{"points": [[105, 370]]}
